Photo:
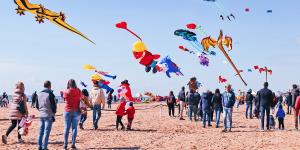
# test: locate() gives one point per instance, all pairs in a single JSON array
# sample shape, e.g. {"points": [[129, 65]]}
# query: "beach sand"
{"points": [[156, 131]]}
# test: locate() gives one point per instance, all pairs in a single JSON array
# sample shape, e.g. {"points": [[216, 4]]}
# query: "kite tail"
{"points": [[222, 9], [134, 34], [110, 76]]}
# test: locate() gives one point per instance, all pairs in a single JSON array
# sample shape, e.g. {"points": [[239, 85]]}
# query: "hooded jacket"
{"points": [[121, 109], [97, 96], [17, 98]]}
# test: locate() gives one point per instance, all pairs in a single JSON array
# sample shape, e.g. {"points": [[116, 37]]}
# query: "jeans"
{"points": [[13, 125], [265, 110], [218, 113], [45, 129], [193, 109], [249, 110], [227, 113], [71, 120], [206, 115], [289, 110], [83, 118], [96, 115]]}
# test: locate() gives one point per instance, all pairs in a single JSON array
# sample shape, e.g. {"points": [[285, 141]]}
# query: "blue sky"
{"points": [[33, 52]]}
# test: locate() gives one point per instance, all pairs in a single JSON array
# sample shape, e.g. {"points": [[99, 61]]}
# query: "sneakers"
{"points": [[65, 147], [224, 130], [73, 147], [181, 118], [81, 126], [4, 139]]}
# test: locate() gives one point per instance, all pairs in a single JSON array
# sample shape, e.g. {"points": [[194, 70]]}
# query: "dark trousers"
{"points": [[281, 123], [119, 121], [129, 123], [13, 125], [179, 110], [171, 109], [83, 118], [265, 111]]}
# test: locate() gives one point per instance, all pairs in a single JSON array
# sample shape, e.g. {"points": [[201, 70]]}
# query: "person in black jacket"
{"points": [[249, 103], [217, 105], [265, 99], [289, 102], [171, 103], [34, 98], [182, 99], [193, 101], [206, 108]]}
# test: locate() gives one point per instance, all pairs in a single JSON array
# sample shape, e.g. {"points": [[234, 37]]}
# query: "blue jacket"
{"points": [[228, 99], [206, 102], [280, 113]]}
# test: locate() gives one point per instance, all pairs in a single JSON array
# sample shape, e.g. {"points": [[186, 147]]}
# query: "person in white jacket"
{"points": [[98, 101]]}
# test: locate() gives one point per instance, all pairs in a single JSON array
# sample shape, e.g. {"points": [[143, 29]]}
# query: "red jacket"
{"points": [[130, 112], [297, 105], [121, 109], [72, 99]]}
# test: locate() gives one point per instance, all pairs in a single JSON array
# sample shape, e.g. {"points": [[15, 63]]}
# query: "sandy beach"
{"points": [[156, 131]]}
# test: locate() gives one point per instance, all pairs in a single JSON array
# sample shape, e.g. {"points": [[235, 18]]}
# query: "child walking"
{"points": [[130, 115], [280, 115], [120, 112], [84, 103]]}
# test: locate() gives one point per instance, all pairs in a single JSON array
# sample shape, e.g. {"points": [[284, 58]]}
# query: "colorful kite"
{"points": [[264, 69], [168, 66], [222, 12], [106, 74], [103, 84], [186, 50], [222, 79], [194, 84], [124, 91], [204, 61], [193, 26], [140, 51], [43, 13]]}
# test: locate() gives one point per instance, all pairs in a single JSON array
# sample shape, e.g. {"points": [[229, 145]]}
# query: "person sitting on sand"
{"points": [[17, 111], [130, 115], [228, 101], [84, 104], [46, 106], [71, 115], [280, 116], [120, 113]]}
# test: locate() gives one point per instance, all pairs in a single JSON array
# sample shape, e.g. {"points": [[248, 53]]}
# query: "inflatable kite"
{"points": [[210, 42], [222, 12], [193, 26], [43, 13], [222, 79], [204, 61], [194, 84], [124, 91], [106, 74], [140, 51], [186, 50], [229, 46], [168, 66], [103, 84], [145, 57]]}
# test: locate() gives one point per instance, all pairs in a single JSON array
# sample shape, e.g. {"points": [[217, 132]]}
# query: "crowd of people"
{"points": [[204, 107], [77, 102], [262, 105]]}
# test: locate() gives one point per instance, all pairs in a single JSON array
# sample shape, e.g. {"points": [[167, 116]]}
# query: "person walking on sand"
{"points": [[217, 104], [84, 104], [280, 116], [297, 110], [228, 101], [17, 111], [71, 115], [249, 104], [182, 99], [130, 115], [265, 99], [109, 100], [120, 112], [171, 104], [46, 106], [289, 103], [295, 94], [98, 102], [34, 98], [193, 101], [206, 108]]}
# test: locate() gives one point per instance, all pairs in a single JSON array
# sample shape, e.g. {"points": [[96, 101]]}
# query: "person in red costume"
{"points": [[145, 57]]}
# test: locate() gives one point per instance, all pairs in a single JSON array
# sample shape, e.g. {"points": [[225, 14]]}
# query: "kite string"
{"points": [[134, 34]]}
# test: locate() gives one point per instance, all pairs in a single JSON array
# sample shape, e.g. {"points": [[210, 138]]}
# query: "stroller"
{"points": [[272, 122]]}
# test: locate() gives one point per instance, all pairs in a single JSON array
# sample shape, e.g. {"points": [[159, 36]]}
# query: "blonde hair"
{"points": [[20, 85]]}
